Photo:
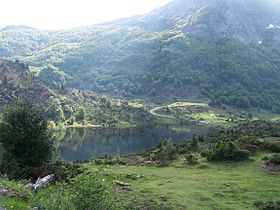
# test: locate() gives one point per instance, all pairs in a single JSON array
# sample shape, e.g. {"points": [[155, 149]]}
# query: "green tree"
{"points": [[54, 111], [223, 151], [81, 114], [53, 77], [167, 151], [71, 120], [194, 143], [25, 135]]}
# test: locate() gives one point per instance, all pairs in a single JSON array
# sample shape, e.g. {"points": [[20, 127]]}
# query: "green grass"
{"points": [[210, 117], [19, 194], [136, 105], [227, 185], [217, 186]]}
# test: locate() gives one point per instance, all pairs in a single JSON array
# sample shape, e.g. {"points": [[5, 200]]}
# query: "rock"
{"points": [[134, 176], [139, 176], [5, 193], [122, 184], [163, 198]]}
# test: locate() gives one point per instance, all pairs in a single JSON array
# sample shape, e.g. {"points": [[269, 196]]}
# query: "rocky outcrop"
{"points": [[245, 20]]}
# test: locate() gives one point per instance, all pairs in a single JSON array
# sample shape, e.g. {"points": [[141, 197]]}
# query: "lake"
{"points": [[80, 144]]}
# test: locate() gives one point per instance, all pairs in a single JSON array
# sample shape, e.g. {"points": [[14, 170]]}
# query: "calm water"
{"points": [[87, 143]]}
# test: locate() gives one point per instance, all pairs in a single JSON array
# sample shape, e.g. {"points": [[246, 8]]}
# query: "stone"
{"points": [[5, 193]]}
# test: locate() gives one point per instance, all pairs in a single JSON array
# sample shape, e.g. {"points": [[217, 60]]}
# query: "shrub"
{"points": [[223, 151], [273, 159], [56, 196], [63, 171], [109, 161], [272, 146], [167, 151], [204, 154], [81, 114], [15, 189], [184, 148], [194, 143], [268, 205], [92, 191], [191, 159], [84, 192]]}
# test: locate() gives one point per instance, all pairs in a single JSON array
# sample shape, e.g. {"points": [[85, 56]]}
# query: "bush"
{"points": [[110, 161], [63, 171], [194, 143], [91, 191], [15, 189], [184, 148], [84, 192], [223, 151], [191, 159], [268, 205], [273, 159], [81, 114], [25, 136], [56, 196], [272, 146], [167, 151]]}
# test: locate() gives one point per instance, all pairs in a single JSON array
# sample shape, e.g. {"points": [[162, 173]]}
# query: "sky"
{"points": [[63, 14]]}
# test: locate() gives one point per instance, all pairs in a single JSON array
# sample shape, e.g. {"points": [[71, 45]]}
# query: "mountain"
{"points": [[18, 28], [226, 52], [246, 20]]}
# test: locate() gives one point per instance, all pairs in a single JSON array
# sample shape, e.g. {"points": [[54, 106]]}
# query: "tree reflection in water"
{"points": [[86, 143]]}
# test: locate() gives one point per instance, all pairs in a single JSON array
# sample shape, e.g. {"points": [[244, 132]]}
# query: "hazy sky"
{"points": [[61, 14]]}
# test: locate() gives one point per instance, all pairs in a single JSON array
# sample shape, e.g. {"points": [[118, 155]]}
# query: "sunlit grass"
{"points": [[136, 105], [217, 186]]}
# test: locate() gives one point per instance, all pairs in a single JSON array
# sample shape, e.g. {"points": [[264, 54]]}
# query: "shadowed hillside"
{"points": [[17, 82]]}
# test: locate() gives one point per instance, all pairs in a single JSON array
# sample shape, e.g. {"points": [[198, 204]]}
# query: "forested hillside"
{"points": [[16, 81], [183, 50], [66, 106]]}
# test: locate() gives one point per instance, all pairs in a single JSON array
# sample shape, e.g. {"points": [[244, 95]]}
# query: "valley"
{"points": [[178, 108], [121, 138]]}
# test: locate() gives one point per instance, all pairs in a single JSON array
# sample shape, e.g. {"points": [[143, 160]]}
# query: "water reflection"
{"points": [[86, 143]]}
